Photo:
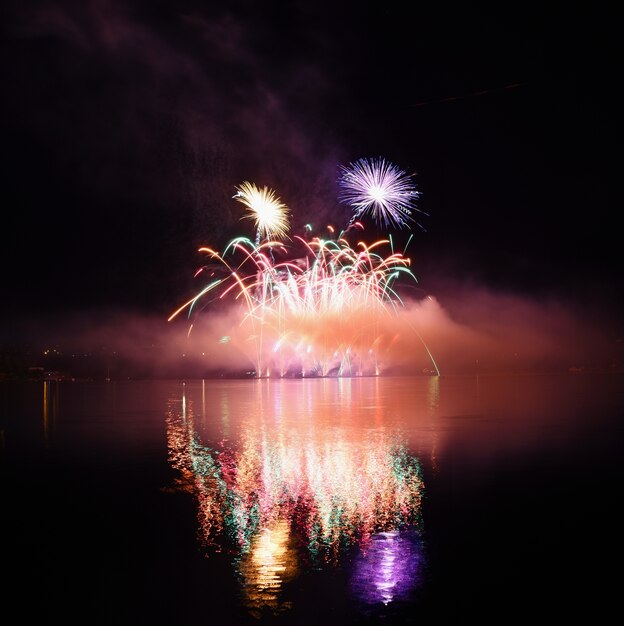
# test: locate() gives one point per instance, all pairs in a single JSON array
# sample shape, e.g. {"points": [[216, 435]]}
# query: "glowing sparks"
{"points": [[316, 314], [380, 188], [269, 213], [314, 307]]}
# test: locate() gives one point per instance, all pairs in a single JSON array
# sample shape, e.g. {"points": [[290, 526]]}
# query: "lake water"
{"points": [[399, 500]]}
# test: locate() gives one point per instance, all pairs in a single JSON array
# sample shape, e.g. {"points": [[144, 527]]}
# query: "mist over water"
{"points": [[473, 331]]}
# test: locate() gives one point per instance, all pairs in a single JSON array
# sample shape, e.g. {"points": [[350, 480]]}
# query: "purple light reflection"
{"points": [[390, 569]]}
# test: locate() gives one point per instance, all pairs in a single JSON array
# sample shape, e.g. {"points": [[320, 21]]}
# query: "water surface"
{"points": [[312, 501]]}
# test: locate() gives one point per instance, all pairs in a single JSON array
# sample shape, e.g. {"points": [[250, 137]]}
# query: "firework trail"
{"points": [[320, 309], [380, 188]]}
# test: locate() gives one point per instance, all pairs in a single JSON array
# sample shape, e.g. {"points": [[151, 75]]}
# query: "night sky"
{"points": [[127, 126]]}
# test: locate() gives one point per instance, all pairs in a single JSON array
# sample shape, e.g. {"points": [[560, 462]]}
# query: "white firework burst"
{"points": [[380, 188]]}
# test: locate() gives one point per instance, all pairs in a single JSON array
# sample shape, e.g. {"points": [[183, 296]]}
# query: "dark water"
{"points": [[426, 500]]}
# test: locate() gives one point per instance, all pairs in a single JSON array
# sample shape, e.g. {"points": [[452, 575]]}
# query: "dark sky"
{"points": [[127, 126]]}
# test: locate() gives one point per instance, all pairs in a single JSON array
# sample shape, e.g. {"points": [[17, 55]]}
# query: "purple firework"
{"points": [[380, 188]]}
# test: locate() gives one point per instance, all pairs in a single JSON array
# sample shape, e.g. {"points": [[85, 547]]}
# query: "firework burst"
{"points": [[269, 213], [380, 188], [317, 306]]}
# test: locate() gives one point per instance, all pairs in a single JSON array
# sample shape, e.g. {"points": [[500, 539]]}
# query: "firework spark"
{"points": [[314, 308], [316, 315], [266, 209], [380, 188]]}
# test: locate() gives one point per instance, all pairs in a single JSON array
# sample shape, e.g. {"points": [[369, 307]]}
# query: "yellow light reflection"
{"points": [[50, 406], [267, 567]]}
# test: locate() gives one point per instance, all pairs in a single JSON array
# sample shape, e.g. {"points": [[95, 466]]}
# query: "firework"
{"points": [[380, 188], [314, 315], [319, 306], [269, 213]]}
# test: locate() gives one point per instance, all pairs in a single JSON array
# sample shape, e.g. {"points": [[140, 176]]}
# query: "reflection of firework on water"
{"points": [[291, 493], [380, 188], [318, 310], [332, 491], [390, 569], [270, 563], [336, 491]]}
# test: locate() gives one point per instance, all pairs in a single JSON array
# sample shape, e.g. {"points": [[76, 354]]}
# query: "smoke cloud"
{"points": [[483, 333]]}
